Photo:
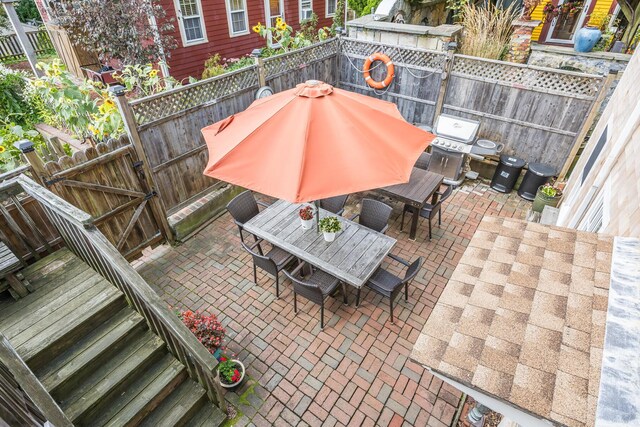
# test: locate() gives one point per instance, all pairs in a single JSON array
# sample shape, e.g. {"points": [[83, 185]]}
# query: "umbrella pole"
{"points": [[317, 203]]}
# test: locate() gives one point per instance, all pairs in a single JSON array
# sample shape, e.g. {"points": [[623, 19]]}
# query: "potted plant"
{"points": [[306, 217], [547, 195], [230, 372], [207, 329], [330, 226]]}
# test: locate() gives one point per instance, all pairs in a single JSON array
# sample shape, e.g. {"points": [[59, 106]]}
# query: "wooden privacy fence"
{"points": [[82, 237], [107, 182], [166, 127], [417, 82], [10, 49], [73, 56], [537, 113]]}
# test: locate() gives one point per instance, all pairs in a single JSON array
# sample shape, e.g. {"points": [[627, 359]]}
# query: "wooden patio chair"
{"points": [[272, 262], [374, 215], [429, 211], [317, 286], [389, 285]]}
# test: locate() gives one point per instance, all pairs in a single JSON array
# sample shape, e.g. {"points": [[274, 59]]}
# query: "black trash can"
{"points": [[507, 173], [537, 175]]}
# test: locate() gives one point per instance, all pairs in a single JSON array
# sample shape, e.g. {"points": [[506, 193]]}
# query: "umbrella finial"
{"points": [[314, 89]]}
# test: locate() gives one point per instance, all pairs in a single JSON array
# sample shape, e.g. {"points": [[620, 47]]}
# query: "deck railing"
{"points": [[23, 399], [88, 243]]}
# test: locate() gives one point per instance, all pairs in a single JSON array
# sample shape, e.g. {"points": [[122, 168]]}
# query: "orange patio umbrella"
{"points": [[313, 142]]}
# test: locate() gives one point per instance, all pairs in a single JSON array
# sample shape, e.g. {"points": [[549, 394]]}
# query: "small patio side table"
{"points": [[352, 257], [421, 187]]}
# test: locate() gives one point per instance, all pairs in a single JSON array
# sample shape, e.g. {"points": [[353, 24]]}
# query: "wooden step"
{"points": [[45, 294], [49, 264], [66, 331], [87, 354], [208, 416], [149, 392], [113, 377], [179, 407], [142, 396]]}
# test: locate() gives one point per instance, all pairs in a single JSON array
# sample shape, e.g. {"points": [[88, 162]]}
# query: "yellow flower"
{"points": [[283, 27], [153, 73], [257, 27], [278, 21], [2, 149]]}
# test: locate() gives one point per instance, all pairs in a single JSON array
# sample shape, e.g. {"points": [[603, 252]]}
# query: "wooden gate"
{"points": [[107, 182]]}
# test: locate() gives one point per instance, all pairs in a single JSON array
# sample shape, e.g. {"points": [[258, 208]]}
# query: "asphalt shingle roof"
{"points": [[523, 318]]}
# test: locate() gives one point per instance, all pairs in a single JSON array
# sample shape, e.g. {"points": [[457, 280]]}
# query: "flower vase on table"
{"points": [[330, 226], [306, 217]]}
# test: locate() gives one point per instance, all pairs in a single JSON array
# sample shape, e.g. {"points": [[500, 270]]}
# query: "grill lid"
{"points": [[452, 127]]}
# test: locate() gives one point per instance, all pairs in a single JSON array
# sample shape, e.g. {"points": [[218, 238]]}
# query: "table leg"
{"points": [[344, 293], [414, 223]]}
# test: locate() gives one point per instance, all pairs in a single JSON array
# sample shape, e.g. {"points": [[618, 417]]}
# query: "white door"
{"points": [[563, 29]]}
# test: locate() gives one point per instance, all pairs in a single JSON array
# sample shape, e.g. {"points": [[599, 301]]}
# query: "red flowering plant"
{"points": [[306, 213], [229, 370], [207, 328]]}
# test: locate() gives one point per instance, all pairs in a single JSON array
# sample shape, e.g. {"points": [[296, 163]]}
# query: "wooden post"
{"points": [[262, 78], [26, 148], [157, 205], [31, 386], [588, 122], [25, 44], [448, 65]]}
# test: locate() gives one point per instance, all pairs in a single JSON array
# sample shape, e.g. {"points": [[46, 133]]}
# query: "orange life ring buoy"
{"points": [[367, 67]]}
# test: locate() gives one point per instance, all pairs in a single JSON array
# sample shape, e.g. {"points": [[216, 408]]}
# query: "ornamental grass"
{"points": [[487, 30]]}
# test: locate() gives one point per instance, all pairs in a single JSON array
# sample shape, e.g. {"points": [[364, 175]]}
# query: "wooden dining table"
{"points": [[420, 190], [352, 257]]}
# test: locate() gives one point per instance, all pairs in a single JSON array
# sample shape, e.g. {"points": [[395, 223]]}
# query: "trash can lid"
{"points": [[542, 169], [511, 161]]}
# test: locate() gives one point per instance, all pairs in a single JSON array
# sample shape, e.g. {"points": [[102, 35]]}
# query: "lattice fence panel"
{"points": [[287, 62], [419, 58], [156, 107], [528, 77]]}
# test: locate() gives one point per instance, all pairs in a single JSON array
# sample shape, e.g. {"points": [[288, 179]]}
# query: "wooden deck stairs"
{"points": [[95, 355]]}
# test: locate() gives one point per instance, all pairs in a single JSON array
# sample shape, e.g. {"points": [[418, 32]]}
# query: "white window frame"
{"points": [[268, 17], [326, 8], [183, 33], [301, 9], [596, 217], [230, 21]]}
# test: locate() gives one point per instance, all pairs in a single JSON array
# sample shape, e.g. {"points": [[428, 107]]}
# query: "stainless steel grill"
{"points": [[455, 145]]}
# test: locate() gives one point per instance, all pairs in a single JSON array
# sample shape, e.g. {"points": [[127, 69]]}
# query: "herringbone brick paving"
{"points": [[356, 372]]}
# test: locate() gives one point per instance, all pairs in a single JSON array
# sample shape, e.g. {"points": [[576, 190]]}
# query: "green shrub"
{"points": [[14, 102], [215, 65]]}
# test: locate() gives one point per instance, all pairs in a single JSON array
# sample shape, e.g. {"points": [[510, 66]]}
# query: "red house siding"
{"points": [[189, 61]]}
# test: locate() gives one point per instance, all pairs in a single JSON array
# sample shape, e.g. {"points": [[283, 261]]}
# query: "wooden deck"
{"points": [[95, 355], [9, 264]]}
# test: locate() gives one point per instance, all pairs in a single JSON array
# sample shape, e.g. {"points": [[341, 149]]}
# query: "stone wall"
{"points": [[567, 58], [407, 35]]}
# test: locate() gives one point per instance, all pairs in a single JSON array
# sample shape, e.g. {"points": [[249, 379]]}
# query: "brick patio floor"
{"points": [[356, 372]]}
